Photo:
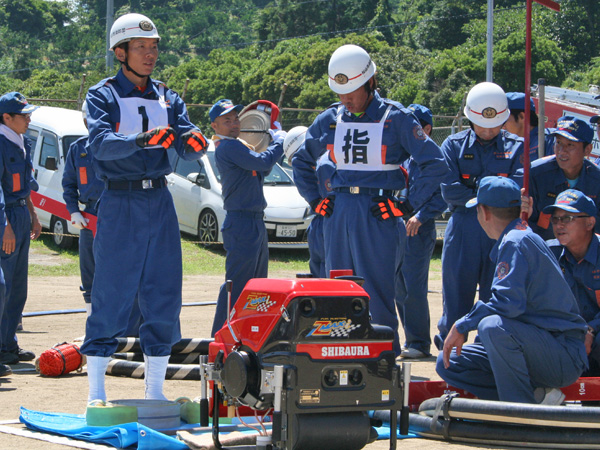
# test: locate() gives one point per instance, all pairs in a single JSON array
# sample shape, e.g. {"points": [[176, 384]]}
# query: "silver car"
{"points": [[196, 190]]}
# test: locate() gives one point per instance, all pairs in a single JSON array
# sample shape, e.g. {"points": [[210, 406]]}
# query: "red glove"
{"points": [[386, 208], [194, 142], [325, 206], [163, 136]]}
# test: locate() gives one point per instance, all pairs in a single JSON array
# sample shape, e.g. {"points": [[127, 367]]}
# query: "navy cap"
{"points": [[594, 119], [223, 106], [15, 103], [516, 100], [499, 192], [423, 113], [574, 129], [573, 201]]}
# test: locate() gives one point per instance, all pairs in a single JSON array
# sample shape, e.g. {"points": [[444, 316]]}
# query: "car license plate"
{"points": [[287, 231]]}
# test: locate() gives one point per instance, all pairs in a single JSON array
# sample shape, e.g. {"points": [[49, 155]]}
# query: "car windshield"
{"points": [[277, 176]]}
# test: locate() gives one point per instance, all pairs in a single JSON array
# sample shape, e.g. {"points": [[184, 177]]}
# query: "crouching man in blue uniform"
{"points": [[531, 337], [133, 120], [242, 173], [368, 138], [81, 187], [577, 249], [483, 150]]}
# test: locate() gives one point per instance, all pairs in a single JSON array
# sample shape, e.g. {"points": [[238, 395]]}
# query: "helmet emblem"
{"points": [[146, 26], [489, 113], [340, 78]]}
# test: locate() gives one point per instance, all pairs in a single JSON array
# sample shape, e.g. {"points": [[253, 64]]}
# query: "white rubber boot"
{"points": [[154, 376], [96, 369]]}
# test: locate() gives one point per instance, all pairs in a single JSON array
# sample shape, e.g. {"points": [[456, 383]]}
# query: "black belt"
{"points": [[20, 202], [364, 191], [136, 185]]}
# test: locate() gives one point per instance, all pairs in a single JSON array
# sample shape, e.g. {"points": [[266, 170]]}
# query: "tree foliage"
{"points": [[426, 51]]}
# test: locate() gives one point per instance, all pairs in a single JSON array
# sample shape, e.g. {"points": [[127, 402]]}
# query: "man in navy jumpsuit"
{"points": [[516, 125], [569, 168], [82, 187], [577, 249], [22, 224], [482, 150], [368, 138], [242, 173], [133, 120], [530, 332], [412, 286]]}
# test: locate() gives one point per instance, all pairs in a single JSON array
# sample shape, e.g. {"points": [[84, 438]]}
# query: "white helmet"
{"points": [[487, 105], [350, 67], [293, 140], [131, 26]]}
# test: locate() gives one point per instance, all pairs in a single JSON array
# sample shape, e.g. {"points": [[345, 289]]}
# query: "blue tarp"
{"points": [[125, 435]]}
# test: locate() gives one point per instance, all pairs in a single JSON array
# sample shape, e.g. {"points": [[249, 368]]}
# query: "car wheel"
{"points": [[59, 229], [208, 227]]}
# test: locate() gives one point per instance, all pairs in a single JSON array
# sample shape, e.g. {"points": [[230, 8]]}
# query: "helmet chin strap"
{"points": [[129, 68]]}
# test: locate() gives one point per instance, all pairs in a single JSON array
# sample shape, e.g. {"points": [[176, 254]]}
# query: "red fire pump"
{"points": [[305, 352]]}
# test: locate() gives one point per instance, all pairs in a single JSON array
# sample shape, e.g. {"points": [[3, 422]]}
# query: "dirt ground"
{"points": [[69, 393]]}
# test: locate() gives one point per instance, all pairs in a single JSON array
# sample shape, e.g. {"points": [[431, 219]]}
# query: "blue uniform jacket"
{"points": [[528, 286], [547, 180], [242, 173], [403, 137], [469, 162], [79, 182], [117, 156], [16, 170], [583, 277], [433, 206]]}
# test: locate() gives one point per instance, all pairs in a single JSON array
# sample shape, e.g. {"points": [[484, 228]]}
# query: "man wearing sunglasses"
{"points": [[569, 168], [577, 249]]}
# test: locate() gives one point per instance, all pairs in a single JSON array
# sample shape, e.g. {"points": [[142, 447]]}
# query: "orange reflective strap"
{"points": [[16, 179], [544, 221], [83, 175]]}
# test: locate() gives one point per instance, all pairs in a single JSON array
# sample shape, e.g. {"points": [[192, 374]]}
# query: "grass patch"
{"points": [[197, 259]]}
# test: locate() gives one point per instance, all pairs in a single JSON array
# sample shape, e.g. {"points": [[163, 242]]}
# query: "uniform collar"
{"points": [[591, 256], [374, 111], [518, 224], [128, 87], [496, 142]]}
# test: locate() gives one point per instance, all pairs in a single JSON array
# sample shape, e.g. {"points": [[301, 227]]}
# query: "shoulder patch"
{"points": [[418, 133], [502, 270]]}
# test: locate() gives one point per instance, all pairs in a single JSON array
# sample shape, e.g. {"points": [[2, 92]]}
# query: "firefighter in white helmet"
{"points": [[485, 149], [368, 137], [132, 120]]}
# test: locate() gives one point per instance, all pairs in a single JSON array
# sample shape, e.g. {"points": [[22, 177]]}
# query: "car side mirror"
{"points": [[50, 163], [197, 178]]}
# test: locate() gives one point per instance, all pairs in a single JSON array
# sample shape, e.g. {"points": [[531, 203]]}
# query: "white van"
{"points": [[52, 131]]}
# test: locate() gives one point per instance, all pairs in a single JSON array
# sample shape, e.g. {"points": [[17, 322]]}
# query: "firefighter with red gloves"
{"points": [[133, 119], [242, 173], [368, 138]]}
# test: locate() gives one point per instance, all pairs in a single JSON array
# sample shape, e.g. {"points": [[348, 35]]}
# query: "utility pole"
{"points": [[489, 75], [109, 22]]}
